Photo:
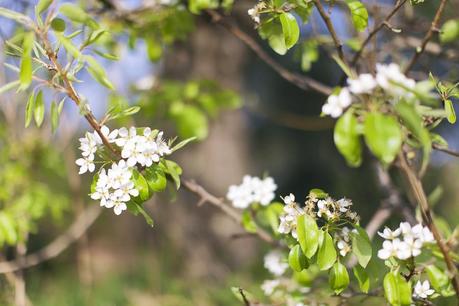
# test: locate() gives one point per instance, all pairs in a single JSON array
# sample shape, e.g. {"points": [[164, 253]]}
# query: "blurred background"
{"points": [[193, 255]]}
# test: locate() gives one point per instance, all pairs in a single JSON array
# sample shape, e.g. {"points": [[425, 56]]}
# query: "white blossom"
{"points": [[390, 249], [289, 199], [422, 290], [88, 145], [269, 286], [288, 222], [388, 234], [119, 208], [363, 84], [344, 205], [336, 103], [86, 163], [252, 190], [110, 136], [393, 81], [343, 247], [274, 263]]}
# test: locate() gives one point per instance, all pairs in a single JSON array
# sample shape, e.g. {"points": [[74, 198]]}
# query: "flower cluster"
{"points": [[252, 190], [114, 188], [255, 11], [389, 78], [327, 209], [414, 238], [275, 263], [343, 239]]}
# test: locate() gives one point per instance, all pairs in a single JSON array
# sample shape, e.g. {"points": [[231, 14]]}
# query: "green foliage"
{"points": [[347, 138], [25, 73], [297, 260], [189, 105], [383, 136], [362, 278], [449, 31], [359, 14], [361, 246], [308, 235], [338, 278], [290, 29], [326, 254], [397, 290], [39, 109]]}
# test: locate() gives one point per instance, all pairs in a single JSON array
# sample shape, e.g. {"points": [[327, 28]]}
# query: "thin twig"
{"points": [[434, 28], [206, 197], [73, 233], [326, 18], [299, 80], [375, 30], [418, 191], [445, 150]]}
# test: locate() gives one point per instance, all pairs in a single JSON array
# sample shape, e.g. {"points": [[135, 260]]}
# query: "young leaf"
{"points": [[361, 246], [338, 278], [95, 178], [290, 29], [77, 14], [296, 259], [183, 143], [9, 86], [141, 185], [359, 14], [18, 17], [154, 49], [42, 6], [68, 45], [248, 223], [54, 116], [449, 31], [362, 278], [98, 72], [146, 216], [25, 72], [308, 235], [326, 256], [191, 121], [39, 109], [450, 113], [383, 136], [347, 140], [272, 31], [437, 277], [396, 289], [174, 171], [156, 178]]}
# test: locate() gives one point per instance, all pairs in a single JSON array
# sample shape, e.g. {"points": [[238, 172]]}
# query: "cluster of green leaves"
{"points": [[386, 126], [25, 196], [189, 105]]}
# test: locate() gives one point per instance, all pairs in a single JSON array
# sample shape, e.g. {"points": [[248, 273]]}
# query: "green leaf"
{"points": [[78, 15], [437, 277], [97, 72], [413, 121], [174, 170], [326, 256], [296, 259], [359, 14], [396, 289], [362, 278], [449, 31], [196, 6], [383, 136], [361, 246], [9, 86], [338, 278], [25, 72], [42, 6], [450, 113], [154, 49], [156, 178], [68, 45], [183, 143], [58, 24], [290, 29], [248, 223], [308, 235], [146, 216], [347, 140], [94, 182], [39, 109], [141, 185], [272, 31], [18, 17], [309, 54], [7, 224], [190, 121], [54, 116]]}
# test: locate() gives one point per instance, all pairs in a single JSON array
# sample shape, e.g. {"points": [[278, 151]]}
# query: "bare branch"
{"points": [[433, 29], [299, 80], [331, 29], [445, 150], [73, 233]]}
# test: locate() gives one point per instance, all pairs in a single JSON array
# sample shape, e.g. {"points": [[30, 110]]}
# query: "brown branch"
{"points": [[375, 30], [433, 29], [298, 80], [206, 197], [445, 150], [326, 18], [73, 233], [418, 192]]}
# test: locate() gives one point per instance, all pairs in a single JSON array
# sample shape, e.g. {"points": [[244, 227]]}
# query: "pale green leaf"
{"points": [[308, 234], [290, 29], [347, 139], [39, 109]]}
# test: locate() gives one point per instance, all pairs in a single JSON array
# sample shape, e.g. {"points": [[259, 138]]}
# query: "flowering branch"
{"points": [[433, 29], [418, 192]]}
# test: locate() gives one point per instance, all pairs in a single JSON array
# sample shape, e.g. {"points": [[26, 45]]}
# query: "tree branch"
{"points": [[73, 233], [433, 29], [418, 192], [445, 150], [375, 30], [206, 197], [298, 80], [331, 29]]}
